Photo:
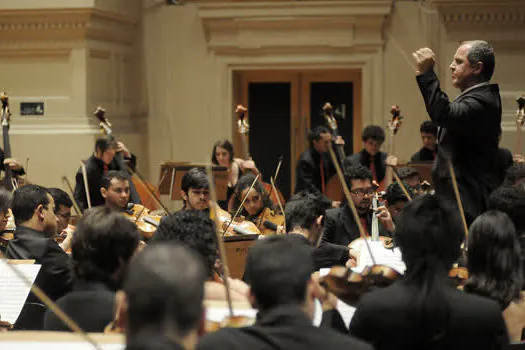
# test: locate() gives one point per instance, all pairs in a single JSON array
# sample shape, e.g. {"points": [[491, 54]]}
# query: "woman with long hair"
{"points": [[424, 310], [222, 154], [495, 270]]}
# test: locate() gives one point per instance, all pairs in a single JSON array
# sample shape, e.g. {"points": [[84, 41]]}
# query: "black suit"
{"points": [[308, 173], [55, 277], [383, 318], [365, 159], [470, 127], [91, 305], [95, 171], [424, 155], [285, 327], [340, 229]]}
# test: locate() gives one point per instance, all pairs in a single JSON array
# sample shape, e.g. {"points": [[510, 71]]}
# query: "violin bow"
{"points": [[220, 242], [86, 185], [242, 203], [458, 198], [51, 305], [71, 195], [351, 203], [278, 202]]}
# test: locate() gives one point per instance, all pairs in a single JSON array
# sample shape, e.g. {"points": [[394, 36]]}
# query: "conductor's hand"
{"points": [[425, 60]]}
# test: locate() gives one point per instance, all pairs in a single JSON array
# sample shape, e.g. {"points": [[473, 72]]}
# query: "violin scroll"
{"points": [[242, 124], [520, 113], [395, 122]]}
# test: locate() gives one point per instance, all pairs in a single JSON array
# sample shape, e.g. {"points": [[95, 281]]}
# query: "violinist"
{"points": [[314, 167], [162, 306], [340, 228], [114, 188], [424, 310], [515, 175], [396, 200], [102, 247], [195, 190], [195, 230], [428, 152], [63, 206], [257, 201], [222, 154], [102, 161], [279, 272], [371, 156], [495, 270], [411, 177], [36, 225]]}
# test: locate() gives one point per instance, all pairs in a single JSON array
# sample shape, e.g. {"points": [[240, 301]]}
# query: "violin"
{"points": [[237, 226], [268, 221], [140, 215], [459, 276], [349, 286], [228, 322], [4, 325]]}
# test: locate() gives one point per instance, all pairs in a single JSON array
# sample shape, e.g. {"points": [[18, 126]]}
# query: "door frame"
{"points": [[299, 80]]}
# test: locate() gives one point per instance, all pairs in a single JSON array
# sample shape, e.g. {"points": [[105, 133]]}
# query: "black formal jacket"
{"points": [[95, 170], [470, 127], [308, 173], [55, 277], [340, 229], [424, 155], [91, 305], [383, 318], [364, 158], [285, 327]]}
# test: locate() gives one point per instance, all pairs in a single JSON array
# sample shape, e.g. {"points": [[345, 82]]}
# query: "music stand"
{"points": [[171, 174]]}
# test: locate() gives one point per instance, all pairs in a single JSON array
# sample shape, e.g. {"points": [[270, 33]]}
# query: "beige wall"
{"points": [[164, 73]]}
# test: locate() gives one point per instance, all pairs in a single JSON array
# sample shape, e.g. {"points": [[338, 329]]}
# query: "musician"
{"points": [[195, 190], [114, 188], [340, 228], [97, 165], [279, 272], [396, 200], [36, 225], [515, 175], [470, 125], [163, 305], [256, 203], [371, 156], [428, 152], [495, 270], [195, 230], [304, 214], [103, 245], [411, 177], [222, 154], [423, 310], [314, 167]]}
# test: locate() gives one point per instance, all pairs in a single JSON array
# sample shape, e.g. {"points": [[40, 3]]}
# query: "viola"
{"points": [[140, 215]]}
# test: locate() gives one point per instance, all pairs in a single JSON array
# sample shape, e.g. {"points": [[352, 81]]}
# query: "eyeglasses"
{"points": [[361, 192]]}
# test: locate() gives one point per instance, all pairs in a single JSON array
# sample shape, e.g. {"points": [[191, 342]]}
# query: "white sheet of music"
{"points": [[218, 314], [58, 345], [382, 256], [13, 290]]}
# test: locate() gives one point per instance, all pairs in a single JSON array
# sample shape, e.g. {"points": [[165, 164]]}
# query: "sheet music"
{"points": [[57, 345], [217, 314], [382, 256], [13, 290]]}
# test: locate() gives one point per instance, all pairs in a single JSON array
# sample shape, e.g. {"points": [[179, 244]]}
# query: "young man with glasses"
{"points": [[63, 206], [340, 228], [195, 190]]}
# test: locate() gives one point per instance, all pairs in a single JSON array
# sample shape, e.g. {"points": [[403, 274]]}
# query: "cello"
{"points": [[140, 190], [393, 127], [243, 129], [333, 188]]}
